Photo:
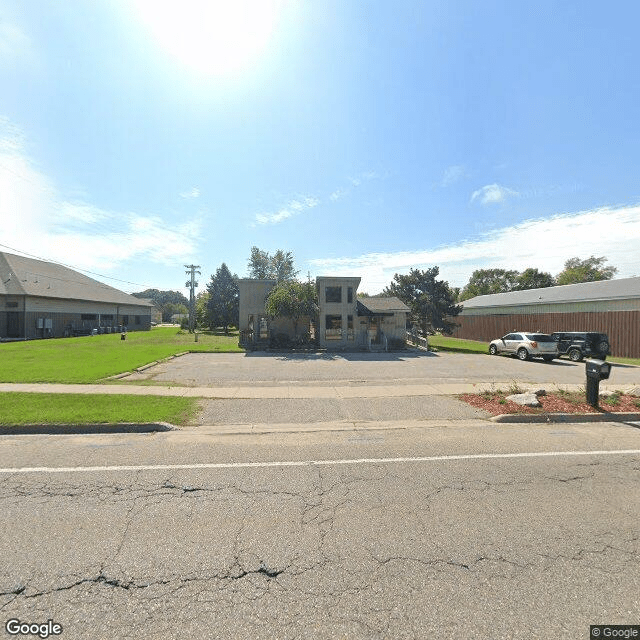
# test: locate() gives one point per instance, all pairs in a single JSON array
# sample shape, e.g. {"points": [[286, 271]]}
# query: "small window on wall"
{"points": [[125, 320], [137, 319], [12, 305], [333, 327], [333, 294], [350, 333], [88, 316], [349, 295], [264, 327]]}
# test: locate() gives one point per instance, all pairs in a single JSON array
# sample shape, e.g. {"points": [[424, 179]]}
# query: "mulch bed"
{"points": [[565, 402]]}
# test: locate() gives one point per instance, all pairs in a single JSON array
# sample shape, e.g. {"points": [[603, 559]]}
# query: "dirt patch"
{"points": [[494, 402]]}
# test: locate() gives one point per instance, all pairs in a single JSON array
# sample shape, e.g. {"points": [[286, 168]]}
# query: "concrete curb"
{"points": [[84, 429], [565, 417]]}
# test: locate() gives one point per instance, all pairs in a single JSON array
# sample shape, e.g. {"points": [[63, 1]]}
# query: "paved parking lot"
{"points": [[409, 367]]}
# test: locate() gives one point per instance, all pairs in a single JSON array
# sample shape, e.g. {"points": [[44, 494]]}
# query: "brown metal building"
{"points": [[47, 300], [607, 306]]}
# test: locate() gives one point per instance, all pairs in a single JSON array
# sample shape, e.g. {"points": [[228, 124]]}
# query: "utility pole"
{"points": [[192, 284]]}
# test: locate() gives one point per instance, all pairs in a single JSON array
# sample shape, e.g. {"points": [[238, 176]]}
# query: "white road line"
{"points": [[311, 463]]}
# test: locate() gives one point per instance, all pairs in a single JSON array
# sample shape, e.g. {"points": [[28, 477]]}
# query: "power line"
{"points": [[62, 264]]}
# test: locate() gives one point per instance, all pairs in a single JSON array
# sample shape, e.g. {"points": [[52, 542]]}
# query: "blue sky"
{"points": [[365, 137]]}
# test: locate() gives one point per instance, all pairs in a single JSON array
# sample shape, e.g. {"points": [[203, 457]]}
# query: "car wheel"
{"points": [[547, 358], [493, 350], [523, 354], [575, 355], [603, 347]]}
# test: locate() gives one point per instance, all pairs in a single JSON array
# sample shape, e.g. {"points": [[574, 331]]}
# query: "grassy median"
{"points": [[77, 408], [92, 358], [457, 345]]}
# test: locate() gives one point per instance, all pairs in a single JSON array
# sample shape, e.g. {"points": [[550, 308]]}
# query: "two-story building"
{"points": [[344, 320]]}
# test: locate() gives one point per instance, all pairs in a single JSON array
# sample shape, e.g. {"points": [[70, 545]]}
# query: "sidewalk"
{"points": [[287, 391]]}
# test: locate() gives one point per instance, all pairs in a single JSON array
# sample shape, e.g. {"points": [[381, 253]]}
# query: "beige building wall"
{"points": [[252, 295], [338, 325]]}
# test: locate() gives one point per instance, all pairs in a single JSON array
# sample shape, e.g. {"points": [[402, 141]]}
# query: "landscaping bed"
{"points": [[569, 402]]}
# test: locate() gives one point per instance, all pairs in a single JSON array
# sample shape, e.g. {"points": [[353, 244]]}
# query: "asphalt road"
{"points": [[403, 367], [470, 530]]}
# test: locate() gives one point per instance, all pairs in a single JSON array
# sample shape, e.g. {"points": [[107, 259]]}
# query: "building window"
{"points": [[333, 327], [350, 333], [349, 295], [333, 294], [125, 320], [12, 305], [137, 319], [88, 316]]}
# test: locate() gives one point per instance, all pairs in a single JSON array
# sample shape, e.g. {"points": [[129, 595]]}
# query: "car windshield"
{"points": [[539, 337]]}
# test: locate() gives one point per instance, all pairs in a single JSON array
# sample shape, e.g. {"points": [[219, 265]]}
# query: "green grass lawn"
{"points": [[92, 358], [77, 408], [445, 343], [632, 361]]}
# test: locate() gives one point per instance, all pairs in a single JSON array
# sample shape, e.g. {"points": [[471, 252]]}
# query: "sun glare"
{"points": [[210, 36]]}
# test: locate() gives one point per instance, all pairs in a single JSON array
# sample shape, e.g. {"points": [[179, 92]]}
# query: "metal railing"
{"points": [[417, 341]]}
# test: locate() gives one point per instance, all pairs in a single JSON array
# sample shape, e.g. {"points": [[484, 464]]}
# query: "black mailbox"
{"points": [[598, 369]]}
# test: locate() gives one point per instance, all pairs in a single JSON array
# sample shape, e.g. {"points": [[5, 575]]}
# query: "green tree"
{"points": [[278, 266], [486, 281], [294, 300], [202, 304], [534, 279], [171, 308], [162, 300], [223, 303], [432, 302], [589, 270]]}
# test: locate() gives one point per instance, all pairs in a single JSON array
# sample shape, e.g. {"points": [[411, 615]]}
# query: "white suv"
{"points": [[525, 346]]}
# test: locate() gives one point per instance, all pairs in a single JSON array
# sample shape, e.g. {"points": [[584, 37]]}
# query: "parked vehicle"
{"points": [[579, 344], [525, 346]]}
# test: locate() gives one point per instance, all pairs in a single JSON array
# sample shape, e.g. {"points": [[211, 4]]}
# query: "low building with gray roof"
{"points": [[606, 306], [41, 299]]}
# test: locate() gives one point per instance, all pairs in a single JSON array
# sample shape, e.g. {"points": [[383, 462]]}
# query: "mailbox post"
{"points": [[596, 370]]}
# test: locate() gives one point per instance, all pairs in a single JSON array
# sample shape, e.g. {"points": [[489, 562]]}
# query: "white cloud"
{"points": [[357, 180], [493, 194], [293, 208], [338, 194], [191, 194], [39, 220], [14, 43], [545, 244], [452, 174]]}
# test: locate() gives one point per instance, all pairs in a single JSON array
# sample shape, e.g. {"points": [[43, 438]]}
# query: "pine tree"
{"points": [[222, 306]]}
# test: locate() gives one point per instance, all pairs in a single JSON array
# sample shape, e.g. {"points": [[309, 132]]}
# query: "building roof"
{"points": [[624, 288], [368, 306], [25, 276]]}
